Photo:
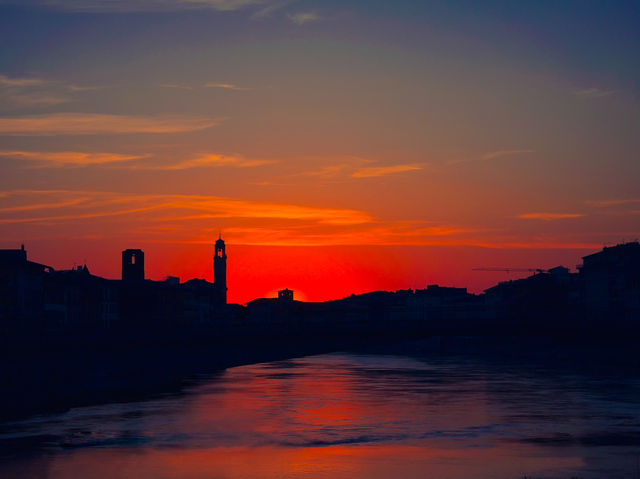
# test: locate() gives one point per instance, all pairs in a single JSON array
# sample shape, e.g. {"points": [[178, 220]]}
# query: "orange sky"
{"points": [[339, 147], [315, 273]]}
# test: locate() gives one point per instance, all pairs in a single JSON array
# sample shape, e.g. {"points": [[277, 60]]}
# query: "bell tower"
{"points": [[133, 265], [220, 272]]}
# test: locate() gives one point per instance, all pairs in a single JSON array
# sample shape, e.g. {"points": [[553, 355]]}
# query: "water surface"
{"points": [[349, 416]]}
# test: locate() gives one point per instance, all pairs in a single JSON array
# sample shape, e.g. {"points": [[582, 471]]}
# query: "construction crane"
{"points": [[514, 270]]}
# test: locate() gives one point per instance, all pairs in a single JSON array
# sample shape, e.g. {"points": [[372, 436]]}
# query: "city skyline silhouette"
{"points": [[357, 239]]}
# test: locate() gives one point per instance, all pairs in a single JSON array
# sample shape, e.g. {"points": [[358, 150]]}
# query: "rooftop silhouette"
{"points": [[36, 298]]}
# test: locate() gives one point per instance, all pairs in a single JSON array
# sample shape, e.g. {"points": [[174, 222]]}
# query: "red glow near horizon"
{"points": [[324, 273], [314, 273], [379, 148]]}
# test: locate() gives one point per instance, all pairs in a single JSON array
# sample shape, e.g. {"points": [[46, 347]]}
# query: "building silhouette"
{"points": [[76, 299], [35, 298], [285, 294], [545, 296], [133, 265], [21, 289], [610, 282], [220, 272]]}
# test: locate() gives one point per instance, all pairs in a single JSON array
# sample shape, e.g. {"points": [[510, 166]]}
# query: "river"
{"points": [[347, 415]]}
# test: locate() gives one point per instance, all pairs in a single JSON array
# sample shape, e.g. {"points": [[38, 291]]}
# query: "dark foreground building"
{"points": [[34, 296], [22, 285], [603, 295], [609, 282]]}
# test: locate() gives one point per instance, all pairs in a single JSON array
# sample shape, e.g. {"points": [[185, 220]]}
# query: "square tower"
{"points": [[133, 265]]}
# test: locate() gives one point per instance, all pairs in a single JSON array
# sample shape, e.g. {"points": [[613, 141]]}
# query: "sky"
{"points": [[339, 146]]}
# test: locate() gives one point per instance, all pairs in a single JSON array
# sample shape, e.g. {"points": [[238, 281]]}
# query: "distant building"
{"points": [[442, 303], [442, 293], [543, 297], [198, 301], [285, 295], [77, 299], [35, 296]]}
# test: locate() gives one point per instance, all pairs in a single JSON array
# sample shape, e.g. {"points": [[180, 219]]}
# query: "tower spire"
{"points": [[220, 271]]}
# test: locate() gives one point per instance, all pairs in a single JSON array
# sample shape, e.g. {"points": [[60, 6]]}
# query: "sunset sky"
{"points": [[340, 146]]}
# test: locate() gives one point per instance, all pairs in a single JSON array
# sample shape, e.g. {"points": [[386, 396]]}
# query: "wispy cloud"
{"points": [[612, 202], [252, 222], [181, 207], [179, 218], [376, 171], [392, 233], [34, 99], [76, 159], [214, 207], [303, 17], [42, 206], [271, 7], [330, 171], [69, 158], [6, 81], [175, 86], [549, 216], [207, 161], [100, 124], [491, 155], [30, 92], [500, 153], [537, 245], [353, 167], [229, 5], [593, 93], [80, 88], [225, 86], [99, 6], [338, 167], [615, 206]]}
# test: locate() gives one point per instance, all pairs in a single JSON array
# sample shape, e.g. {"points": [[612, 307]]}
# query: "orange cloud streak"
{"points": [[375, 171], [95, 124], [69, 158], [550, 216]]}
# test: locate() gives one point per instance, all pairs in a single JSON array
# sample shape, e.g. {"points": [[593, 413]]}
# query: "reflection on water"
{"points": [[348, 416]]}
